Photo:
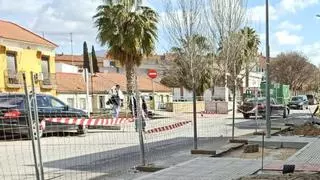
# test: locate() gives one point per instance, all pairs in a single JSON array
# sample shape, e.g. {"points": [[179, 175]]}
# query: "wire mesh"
{"points": [[76, 146]]}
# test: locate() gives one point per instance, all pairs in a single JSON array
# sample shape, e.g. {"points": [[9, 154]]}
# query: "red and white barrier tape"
{"points": [[168, 127], [90, 122]]}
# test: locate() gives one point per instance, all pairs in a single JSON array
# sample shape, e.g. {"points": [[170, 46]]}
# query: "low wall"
{"points": [[219, 107], [184, 106]]}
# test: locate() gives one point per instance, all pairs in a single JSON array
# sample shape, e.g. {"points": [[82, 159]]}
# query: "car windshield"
{"points": [[297, 98]]}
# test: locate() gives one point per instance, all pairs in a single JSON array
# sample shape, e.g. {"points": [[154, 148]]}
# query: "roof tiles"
{"points": [[9, 30], [102, 82]]}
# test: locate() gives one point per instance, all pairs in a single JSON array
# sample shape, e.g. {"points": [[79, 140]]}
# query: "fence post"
{"points": [[36, 119], [139, 123], [194, 100], [30, 123]]}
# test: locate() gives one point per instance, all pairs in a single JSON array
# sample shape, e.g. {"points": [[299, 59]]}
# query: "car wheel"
{"points": [[246, 116], [82, 130], [301, 107]]}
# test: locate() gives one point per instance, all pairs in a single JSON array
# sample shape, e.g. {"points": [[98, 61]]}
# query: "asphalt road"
{"points": [[112, 154], [296, 117]]}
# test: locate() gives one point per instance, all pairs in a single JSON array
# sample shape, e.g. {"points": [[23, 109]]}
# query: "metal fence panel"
{"points": [[75, 146]]}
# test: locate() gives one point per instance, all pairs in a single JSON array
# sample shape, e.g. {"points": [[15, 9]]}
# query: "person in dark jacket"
{"points": [[133, 109]]}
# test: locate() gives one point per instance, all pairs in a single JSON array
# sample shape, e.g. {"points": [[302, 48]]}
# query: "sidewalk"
{"points": [[207, 168], [306, 159]]}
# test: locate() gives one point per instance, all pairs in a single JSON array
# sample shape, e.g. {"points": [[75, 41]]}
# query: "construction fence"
{"points": [[43, 138]]}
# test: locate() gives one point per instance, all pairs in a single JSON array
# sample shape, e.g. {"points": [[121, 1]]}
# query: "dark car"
{"points": [[249, 107], [299, 102], [14, 114]]}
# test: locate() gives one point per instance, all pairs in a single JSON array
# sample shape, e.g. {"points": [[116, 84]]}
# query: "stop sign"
{"points": [[152, 73]]}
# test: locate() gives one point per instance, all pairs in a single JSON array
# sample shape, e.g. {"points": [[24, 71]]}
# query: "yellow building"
{"points": [[23, 51]]}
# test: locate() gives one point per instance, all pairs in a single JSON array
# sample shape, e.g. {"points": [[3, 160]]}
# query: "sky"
{"points": [[293, 23]]}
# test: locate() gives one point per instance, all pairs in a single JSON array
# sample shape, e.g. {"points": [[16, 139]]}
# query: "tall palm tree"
{"points": [[252, 43], [129, 30]]}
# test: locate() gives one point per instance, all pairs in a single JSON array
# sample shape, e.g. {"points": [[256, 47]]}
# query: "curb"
{"points": [[244, 141], [149, 168], [275, 130], [206, 152], [280, 130], [234, 146]]}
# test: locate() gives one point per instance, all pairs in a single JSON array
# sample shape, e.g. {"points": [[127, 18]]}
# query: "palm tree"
{"points": [[129, 30], [252, 43]]}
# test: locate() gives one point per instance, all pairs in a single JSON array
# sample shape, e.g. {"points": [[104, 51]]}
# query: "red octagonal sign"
{"points": [[152, 73]]}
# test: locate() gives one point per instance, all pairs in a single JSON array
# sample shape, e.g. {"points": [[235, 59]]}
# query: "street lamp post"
{"points": [[268, 121]]}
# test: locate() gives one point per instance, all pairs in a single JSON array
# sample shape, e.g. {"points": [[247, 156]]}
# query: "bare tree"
{"points": [[186, 32], [292, 68], [313, 83], [185, 29], [178, 72], [224, 18]]}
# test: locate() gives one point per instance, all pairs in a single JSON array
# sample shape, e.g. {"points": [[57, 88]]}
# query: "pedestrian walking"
{"points": [[116, 100]]}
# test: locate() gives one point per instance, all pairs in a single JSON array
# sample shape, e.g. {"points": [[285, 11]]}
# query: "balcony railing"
{"points": [[13, 79], [49, 81]]}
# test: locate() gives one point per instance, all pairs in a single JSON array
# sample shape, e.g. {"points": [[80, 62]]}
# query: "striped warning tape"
{"points": [[90, 121], [167, 128]]}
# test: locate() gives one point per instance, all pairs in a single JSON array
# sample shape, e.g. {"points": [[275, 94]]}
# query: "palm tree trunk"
{"points": [[130, 74], [247, 76]]}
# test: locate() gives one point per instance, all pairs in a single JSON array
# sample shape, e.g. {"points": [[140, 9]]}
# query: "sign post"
{"points": [[152, 73]]}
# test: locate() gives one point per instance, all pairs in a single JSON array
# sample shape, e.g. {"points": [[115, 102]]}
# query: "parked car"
{"points": [[299, 102], [249, 106], [311, 99], [14, 114]]}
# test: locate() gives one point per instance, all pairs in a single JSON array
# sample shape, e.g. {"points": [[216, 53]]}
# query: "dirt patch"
{"points": [[307, 129], [295, 176], [269, 153]]}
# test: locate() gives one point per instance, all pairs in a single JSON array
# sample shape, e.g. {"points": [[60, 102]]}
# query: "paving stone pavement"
{"points": [[306, 159], [207, 168], [309, 154]]}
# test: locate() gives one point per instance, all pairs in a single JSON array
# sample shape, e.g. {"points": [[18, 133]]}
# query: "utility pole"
{"points": [[87, 89], [91, 76], [71, 43], [268, 120]]}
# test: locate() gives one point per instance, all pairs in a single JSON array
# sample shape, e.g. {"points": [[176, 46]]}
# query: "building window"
{"points": [[161, 98], [70, 102], [12, 62], [168, 98], [102, 102], [12, 68], [45, 65], [83, 103]]}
